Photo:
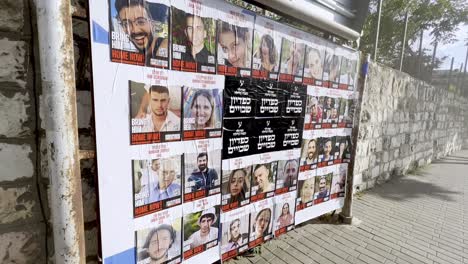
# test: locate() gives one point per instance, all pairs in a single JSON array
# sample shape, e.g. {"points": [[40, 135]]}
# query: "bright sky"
{"points": [[457, 49]]}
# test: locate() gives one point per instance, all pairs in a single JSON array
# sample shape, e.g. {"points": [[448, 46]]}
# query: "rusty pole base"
{"points": [[345, 219]]}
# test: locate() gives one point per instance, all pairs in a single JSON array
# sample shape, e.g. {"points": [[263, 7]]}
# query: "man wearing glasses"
{"points": [[135, 19]]}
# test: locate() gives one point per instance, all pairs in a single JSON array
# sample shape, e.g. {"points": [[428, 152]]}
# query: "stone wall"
{"points": [[404, 124], [22, 222], [25, 228]]}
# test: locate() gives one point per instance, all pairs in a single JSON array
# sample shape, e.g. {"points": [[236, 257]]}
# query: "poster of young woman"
{"points": [[234, 40], [292, 55], [236, 182], [305, 189], [194, 36], [339, 181], [202, 104], [266, 49], [331, 69], [261, 222], [139, 32], [285, 209], [314, 60]]}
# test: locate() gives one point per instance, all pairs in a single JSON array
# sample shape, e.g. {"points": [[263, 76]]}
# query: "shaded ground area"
{"points": [[420, 218]]}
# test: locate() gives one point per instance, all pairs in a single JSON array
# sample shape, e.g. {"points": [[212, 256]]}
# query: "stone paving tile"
{"points": [[410, 226]]}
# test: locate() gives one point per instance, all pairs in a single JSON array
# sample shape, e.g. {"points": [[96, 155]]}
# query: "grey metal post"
{"points": [[403, 43], [376, 44], [433, 57], [450, 72], [54, 24], [420, 53], [346, 214]]}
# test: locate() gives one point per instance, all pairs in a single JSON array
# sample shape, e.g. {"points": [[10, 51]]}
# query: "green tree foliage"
{"points": [[440, 18]]}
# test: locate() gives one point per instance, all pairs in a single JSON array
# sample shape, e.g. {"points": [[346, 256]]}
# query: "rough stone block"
{"points": [[16, 204], [12, 71], [15, 162], [11, 16], [91, 242], [26, 246], [84, 108], [14, 121], [89, 201]]}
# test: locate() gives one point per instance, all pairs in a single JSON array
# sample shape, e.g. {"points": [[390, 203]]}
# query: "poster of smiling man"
{"points": [[139, 32]]}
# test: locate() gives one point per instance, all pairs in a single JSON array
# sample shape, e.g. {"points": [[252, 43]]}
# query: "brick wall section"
{"points": [[405, 123], [22, 226]]}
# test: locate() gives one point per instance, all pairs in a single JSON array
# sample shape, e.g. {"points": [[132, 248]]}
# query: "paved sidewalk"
{"points": [[421, 218]]}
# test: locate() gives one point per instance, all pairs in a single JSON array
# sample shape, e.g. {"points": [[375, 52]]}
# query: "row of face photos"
{"points": [[163, 183], [171, 238], [215, 37]]}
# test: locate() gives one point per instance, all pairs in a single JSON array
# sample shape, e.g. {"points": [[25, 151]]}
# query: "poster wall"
{"points": [[216, 129]]}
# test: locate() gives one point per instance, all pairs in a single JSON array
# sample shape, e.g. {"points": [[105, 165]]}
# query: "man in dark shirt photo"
{"points": [[204, 177], [196, 34]]}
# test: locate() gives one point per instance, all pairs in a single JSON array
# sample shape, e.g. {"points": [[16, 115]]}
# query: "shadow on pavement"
{"points": [[403, 188]]}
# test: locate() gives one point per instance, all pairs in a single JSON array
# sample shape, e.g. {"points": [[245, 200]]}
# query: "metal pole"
{"points": [[433, 57], [403, 43], [376, 44], [54, 24], [420, 54], [346, 214], [450, 72]]}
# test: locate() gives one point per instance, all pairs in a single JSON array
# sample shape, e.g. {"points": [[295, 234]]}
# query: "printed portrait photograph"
{"points": [[156, 180], [154, 108], [330, 109], [331, 71], [159, 244], [235, 233], [202, 171], [194, 38], [201, 228], [234, 45], [284, 213], [306, 190], [338, 182], [236, 185], [313, 65], [142, 27], [326, 149], [287, 173], [261, 223], [264, 177], [309, 151], [266, 52], [203, 108], [322, 186], [292, 57], [340, 147], [313, 111]]}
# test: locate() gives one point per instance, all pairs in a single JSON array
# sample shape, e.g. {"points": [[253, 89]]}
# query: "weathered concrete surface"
{"points": [[405, 123], [420, 218]]}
